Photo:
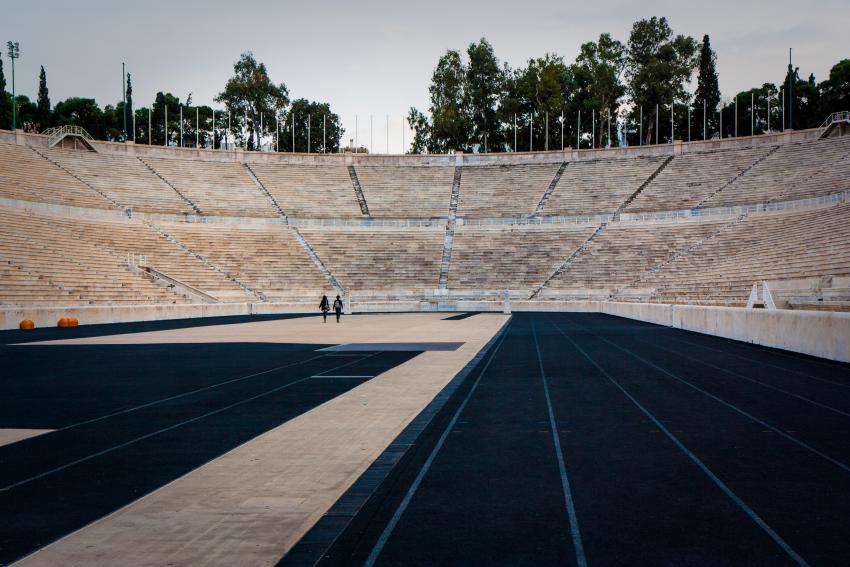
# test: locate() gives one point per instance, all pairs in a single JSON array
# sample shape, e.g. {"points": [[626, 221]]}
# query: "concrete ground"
{"points": [[216, 443]]}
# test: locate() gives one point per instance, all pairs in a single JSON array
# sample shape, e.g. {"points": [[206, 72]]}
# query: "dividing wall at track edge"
{"points": [[818, 333]]}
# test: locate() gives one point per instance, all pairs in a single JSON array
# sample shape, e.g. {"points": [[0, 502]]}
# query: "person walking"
{"points": [[337, 307], [325, 306]]}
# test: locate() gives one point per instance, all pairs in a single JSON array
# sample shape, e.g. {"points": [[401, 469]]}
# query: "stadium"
{"points": [[608, 354]]}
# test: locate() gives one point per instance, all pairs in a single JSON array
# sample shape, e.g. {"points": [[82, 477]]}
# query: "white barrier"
{"points": [[818, 333]]}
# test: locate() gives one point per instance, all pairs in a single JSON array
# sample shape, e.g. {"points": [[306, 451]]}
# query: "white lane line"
{"points": [[759, 362], [405, 502], [340, 376], [731, 406], [184, 394], [696, 460], [158, 432], [562, 467], [755, 381]]}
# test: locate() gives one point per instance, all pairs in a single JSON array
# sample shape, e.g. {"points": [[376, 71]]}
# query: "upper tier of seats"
{"points": [[406, 191], [503, 190], [178, 185], [599, 186], [125, 179], [216, 188], [312, 191], [793, 171], [26, 175]]}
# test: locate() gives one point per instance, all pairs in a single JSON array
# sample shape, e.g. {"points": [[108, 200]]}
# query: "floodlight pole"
{"points": [[672, 127], [197, 128], [546, 142], [657, 125], [562, 132], [704, 122], [308, 133], [181, 125], [578, 131], [124, 96], [593, 130], [689, 122], [134, 127], [515, 143], [293, 132], [752, 114], [324, 133], [640, 131], [356, 129], [531, 132], [227, 135], [14, 52], [736, 116], [608, 110], [212, 128], [768, 113], [165, 141], [150, 140], [388, 134], [371, 133]]}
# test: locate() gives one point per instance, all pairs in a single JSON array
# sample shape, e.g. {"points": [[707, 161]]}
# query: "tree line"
{"points": [[256, 111], [614, 94]]}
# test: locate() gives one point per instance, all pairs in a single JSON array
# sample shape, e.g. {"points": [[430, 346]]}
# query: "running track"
{"points": [[586, 439]]}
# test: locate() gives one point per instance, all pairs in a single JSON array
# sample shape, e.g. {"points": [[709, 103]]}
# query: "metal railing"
{"points": [[58, 132], [739, 210], [402, 223], [841, 116]]}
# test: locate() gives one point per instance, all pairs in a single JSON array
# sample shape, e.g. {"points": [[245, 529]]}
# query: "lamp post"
{"points": [[124, 97], [14, 52]]}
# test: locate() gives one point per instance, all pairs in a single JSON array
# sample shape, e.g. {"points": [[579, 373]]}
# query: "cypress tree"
{"points": [[5, 109], [129, 108], [708, 89], [43, 104]]}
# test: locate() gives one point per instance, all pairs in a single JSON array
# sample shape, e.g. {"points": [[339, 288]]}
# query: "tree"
{"points": [[451, 126], [835, 91], [539, 90], [43, 105], [5, 102], [251, 93], [603, 62], [421, 127], [81, 112], [707, 95], [484, 83], [657, 67], [129, 108], [325, 128]]}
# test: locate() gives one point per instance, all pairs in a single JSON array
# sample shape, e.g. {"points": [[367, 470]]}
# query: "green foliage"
{"points": [[421, 127], [484, 83], [835, 91], [43, 117], [322, 121], [5, 102], [129, 97], [250, 93], [658, 66], [81, 112], [707, 95], [601, 64]]}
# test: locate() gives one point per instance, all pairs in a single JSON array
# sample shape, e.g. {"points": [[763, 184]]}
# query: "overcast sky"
{"points": [[375, 58]]}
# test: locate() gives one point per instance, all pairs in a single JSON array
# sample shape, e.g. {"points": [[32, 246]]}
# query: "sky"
{"points": [[373, 59]]}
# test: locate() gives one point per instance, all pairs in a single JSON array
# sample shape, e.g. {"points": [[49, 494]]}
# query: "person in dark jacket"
{"points": [[337, 307], [325, 306]]}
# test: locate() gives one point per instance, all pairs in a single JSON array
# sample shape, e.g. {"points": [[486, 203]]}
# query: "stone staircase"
{"points": [[265, 191], [643, 186], [737, 177], [570, 259], [176, 190], [159, 231], [317, 261], [115, 203], [448, 243], [545, 198], [361, 198]]}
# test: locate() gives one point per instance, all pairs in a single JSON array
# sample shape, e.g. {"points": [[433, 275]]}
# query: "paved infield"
{"points": [[175, 444], [586, 439]]}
